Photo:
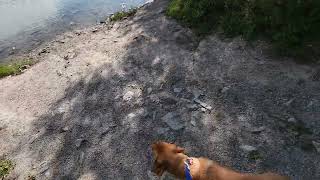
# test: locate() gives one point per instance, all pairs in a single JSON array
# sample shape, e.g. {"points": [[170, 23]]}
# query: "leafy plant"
{"points": [[292, 25], [5, 167]]}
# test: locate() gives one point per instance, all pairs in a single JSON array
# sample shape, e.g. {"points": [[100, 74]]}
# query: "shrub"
{"points": [[290, 24], [123, 14]]}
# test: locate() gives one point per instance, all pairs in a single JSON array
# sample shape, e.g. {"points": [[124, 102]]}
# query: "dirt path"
{"points": [[100, 96]]}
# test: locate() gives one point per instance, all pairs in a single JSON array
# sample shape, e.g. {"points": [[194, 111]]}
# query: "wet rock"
{"points": [[248, 148], [316, 145], [173, 120]]}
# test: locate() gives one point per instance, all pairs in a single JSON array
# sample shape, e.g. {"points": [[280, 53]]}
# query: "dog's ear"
{"points": [[179, 150]]}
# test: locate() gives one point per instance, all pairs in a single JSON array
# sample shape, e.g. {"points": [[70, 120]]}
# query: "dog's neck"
{"points": [[179, 164]]}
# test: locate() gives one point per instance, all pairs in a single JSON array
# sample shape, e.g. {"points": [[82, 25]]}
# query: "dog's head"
{"points": [[164, 154]]}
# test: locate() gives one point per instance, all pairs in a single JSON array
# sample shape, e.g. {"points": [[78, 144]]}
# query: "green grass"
{"points": [[291, 25], [5, 167], [123, 14], [15, 68]]}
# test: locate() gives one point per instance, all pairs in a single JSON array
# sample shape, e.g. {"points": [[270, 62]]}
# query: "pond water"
{"points": [[27, 23]]}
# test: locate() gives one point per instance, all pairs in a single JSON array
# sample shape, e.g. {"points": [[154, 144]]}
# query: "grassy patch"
{"points": [[291, 25], [15, 68], [5, 167], [123, 14]]}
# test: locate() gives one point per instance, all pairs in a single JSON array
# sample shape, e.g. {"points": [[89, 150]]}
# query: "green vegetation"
{"points": [[5, 167], [292, 25], [123, 14], [15, 68]]}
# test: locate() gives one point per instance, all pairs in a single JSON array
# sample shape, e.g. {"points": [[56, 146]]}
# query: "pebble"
{"points": [[316, 145], [149, 90], [79, 142], [177, 90], [248, 148], [292, 120], [225, 89]]}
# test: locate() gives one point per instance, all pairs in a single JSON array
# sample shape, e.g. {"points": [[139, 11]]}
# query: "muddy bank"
{"points": [[100, 96]]}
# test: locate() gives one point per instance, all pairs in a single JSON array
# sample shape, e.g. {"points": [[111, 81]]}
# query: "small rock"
{"points": [[149, 90], [59, 73], [257, 129], [65, 129], [173, 120], [79, 142], [225, 89], [78, 33], [204, 105], [94, 30], [203, 109], [197, 93], [177, 90], [154, 115], [192, 107], [288, 103], [248, 148], [128, 96], [316, 145], [193, 123], [44, 51], [115, 41], [292, 120]]}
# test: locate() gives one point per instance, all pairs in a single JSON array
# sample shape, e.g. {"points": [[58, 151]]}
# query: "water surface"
{"points": [[27, 23]]}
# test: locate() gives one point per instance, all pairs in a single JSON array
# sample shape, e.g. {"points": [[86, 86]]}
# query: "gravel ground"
{"points": [[100, 96]]}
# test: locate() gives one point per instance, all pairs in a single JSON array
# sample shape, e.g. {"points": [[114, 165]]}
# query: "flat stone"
{"points": [[173, 120], [204, 105], [248, 148], [257, 129], [177, 90]]}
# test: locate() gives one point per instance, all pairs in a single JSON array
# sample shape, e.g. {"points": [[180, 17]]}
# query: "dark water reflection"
{"points": [[26, 23]]}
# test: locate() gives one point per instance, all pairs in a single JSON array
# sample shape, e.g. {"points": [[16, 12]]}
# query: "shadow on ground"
{"points": [[104, 125]]}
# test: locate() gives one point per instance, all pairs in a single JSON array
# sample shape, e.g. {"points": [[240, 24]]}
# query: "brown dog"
{"points": [[171, 158]]}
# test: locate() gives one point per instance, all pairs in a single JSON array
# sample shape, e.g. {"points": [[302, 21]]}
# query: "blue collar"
{"points": [[187, 170]]}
